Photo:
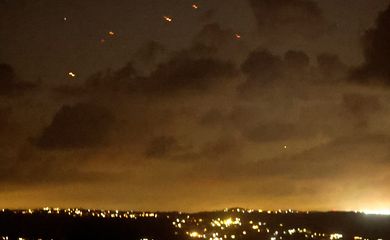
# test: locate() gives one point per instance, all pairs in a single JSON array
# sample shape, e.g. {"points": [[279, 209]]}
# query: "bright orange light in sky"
{"points": [[168, 19], [72, 74]]}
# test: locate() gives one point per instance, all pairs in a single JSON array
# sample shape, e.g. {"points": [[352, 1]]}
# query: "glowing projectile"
{"points": [[168, 19], [72, 74]]}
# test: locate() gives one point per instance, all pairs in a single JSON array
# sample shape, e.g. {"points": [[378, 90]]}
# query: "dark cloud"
{"points": [[30, 166], [237, 117], [150, 52], [293, 74], [262, 64], [155, 71], [9, 84], [173, 149], [161, 147], [242, 115], [124, 79], [272, 132], [296, 60], [289, 17], [181, 73], [330, 66], [262, 68], [360, 108], [188, 74], [338, 157], [214, 35], [358, 104], [208, 16], [376, 49], [220, 41], [212, 118], [78, 126], [4, 119], [225, 149], [149, 55], [217, 41]]}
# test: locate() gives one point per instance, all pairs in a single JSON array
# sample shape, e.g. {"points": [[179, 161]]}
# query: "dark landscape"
{"points": [[234, 223]]}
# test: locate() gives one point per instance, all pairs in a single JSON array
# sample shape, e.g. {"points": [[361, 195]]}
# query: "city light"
{"points": [[236, 223], [377, 212]]}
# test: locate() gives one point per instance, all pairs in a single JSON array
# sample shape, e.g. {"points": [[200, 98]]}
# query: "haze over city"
{"points": [[195, 105]]}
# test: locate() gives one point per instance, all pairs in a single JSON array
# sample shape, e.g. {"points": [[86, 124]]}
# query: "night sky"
{"points": [[195, 105]]}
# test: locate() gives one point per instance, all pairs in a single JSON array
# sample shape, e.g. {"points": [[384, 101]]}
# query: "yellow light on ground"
{"points": [[377, 212], [194, 234], [228, 222], [336, 236]]}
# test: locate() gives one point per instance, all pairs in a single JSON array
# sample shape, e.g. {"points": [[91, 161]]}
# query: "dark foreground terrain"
{"points": [[237, 223]]}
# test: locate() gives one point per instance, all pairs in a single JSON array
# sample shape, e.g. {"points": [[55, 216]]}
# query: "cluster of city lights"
{"points": [[377, 212], [233, 227], [235, 223], [76, 212]]}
